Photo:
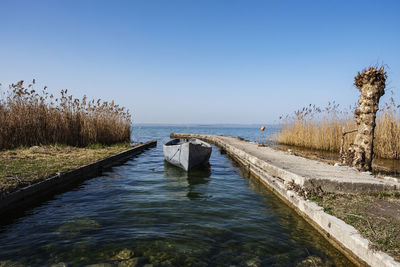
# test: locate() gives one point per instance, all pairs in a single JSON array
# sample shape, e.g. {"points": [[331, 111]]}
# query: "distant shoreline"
{"points": [[207, 125]]}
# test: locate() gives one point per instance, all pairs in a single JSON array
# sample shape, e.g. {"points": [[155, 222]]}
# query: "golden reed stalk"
{"points": [[30, 118], [321, 129]]}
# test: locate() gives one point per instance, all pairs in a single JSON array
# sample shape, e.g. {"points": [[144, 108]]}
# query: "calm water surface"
{"points": [[149, 212]]}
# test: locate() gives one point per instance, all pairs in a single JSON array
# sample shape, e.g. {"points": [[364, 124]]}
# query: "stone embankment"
{"points": [[36, 192], [293, 179]]}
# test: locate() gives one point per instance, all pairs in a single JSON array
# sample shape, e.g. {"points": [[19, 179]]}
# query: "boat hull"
{"points": [[187, 154]]}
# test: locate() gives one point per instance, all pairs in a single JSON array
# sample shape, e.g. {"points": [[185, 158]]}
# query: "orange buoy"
{"points": [[262, 128]]}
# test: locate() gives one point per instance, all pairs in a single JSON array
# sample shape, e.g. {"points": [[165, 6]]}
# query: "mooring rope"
{"points": [[179, 149]]}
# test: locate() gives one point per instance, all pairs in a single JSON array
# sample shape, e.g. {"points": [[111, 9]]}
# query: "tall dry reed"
{"points": [[28, 117], [387, 131], [321, 129]]}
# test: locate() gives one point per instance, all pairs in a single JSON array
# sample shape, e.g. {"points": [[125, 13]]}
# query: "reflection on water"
{"points": [[190, 179], [388, 166], [150, 212], [321, 153]]}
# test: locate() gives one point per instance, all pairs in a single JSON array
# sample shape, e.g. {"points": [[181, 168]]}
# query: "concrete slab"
{"points": [[309, 174]]}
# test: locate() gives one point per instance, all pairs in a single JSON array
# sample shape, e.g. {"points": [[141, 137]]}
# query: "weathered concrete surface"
{"points": [[309, 174], [38, 191], [276, 169]]}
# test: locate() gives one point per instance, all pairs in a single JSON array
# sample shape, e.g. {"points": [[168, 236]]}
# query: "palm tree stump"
{"points": [[371, 83]]}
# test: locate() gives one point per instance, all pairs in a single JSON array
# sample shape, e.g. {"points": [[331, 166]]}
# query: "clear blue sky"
{"points": [[201, 61]]}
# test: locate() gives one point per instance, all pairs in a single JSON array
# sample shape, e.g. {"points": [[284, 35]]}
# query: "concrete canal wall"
{"points": [[279, 170], [36, 192]]}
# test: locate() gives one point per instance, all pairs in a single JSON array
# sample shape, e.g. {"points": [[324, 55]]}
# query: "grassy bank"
{"points": [[321, 129], [24, 166], [29, 117], [375, 216]]}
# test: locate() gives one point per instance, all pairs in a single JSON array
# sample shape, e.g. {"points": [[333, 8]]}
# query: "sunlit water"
{"points": [[158, 214]]}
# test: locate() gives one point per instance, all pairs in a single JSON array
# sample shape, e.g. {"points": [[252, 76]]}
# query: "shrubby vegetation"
{"points": [[321, 128], [29, 117]]}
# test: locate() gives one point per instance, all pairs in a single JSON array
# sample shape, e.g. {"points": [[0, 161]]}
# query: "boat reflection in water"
{"points": [[190, 179]]}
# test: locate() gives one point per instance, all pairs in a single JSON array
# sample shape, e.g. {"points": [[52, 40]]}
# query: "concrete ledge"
{"points": [[343, 236], [308, 174], [57, 183]]}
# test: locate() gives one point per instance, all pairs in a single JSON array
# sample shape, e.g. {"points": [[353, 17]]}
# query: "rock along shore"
{"points": [[291, 178]]}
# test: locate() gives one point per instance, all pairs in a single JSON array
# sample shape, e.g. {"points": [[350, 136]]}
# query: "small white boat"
{"points": [[187, 153]]}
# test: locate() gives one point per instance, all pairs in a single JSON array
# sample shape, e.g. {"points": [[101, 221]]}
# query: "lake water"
{"points": [[155, 213]]}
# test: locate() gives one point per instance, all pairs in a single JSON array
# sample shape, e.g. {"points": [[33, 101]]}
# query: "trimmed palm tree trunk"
{"points": [[371, 83]]}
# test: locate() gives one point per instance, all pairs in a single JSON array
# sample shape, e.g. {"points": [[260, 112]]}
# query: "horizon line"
{"points": [[207, 124]]}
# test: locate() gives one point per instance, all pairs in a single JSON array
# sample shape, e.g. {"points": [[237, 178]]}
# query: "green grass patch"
{"points": [[375, 216], [23, 166]]}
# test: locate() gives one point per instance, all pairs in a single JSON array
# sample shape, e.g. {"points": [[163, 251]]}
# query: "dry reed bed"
{"points": [[28, 118], [321, 129]]}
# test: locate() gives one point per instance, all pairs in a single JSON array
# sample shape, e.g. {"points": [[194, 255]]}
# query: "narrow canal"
{"points": [[148, 212]]}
